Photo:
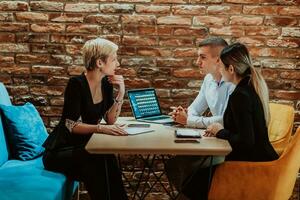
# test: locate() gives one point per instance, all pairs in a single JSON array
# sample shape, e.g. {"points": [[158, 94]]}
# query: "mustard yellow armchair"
{"points": [[273, 180], [280, 126]]}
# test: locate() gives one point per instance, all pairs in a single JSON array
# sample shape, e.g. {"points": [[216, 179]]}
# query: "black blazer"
{"points": [[245, 126]]}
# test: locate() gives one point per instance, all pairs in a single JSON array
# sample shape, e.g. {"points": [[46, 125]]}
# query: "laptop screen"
{"points": [[144, 103]]}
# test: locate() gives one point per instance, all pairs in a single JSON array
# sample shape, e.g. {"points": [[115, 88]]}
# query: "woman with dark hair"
{"points": [[246, 116], [89, 99]]}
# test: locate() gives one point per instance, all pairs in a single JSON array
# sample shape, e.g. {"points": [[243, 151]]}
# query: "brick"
{"points": [[292, 32], [291, 53], [81, 7], [61, 59], [13, 6], [31, 59], [134, 1], [7, 37], [241, 20], [48, 111], [169, 1], [174, 20], [138, 62], [5, 79], [206, 1], [209, 21], [61, 38], [137, 83], [279, 84], [262, 30], [82, 28], [6, 60], [66, 17], [279, 63], [224, 10], [166, 41], [146, 30], [280, 21], [47, 48], [73, 49], [116, 8], [15, 48], [76, 70], [290, 43], [31, 16], [185, 52], [173, 62], [194, 31], [152, 9], [6, 17], [14, 69], [57, 80], [227, 30], [139, 41], [146, 51], [252, 41], [57, 101], [195, 83], [139, 19], [164, 30], [47, 90], [128, 72], [47, 27], [291, 74], [14, 27], [184, 93], [165, 83], [289, 10], [270, 74], [187, 73], [47, 69], [265, 52], [243, 1], [112, 29], [32, 38], [46, 6], [17, 90], [260, 10], [102, 19], [288, 95], [147, 71], [188, 10], [127, 51]]}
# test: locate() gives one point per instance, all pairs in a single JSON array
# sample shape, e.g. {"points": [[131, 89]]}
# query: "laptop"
{"points": [[145, 106]]}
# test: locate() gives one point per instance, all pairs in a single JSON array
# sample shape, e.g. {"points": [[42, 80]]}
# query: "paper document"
{"points": [[135, 131]]}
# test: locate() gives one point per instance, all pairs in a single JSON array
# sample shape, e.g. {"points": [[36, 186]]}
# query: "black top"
{"points": [[245, 126], [78, 103]]}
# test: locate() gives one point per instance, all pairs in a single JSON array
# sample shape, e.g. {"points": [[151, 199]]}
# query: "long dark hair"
{"points": [[237, 55]]}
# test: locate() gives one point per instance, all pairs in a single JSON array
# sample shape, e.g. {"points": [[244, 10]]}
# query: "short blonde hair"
{"points": [[98, 48]]}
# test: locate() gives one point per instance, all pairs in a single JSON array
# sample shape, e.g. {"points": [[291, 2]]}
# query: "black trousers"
{"points": [[78, 164]]}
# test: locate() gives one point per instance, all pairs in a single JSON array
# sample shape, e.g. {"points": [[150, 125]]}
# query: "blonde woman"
{"points": [[245, 119], [89, 99]]}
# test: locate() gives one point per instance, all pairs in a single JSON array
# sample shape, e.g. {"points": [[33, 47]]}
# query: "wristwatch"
{"points": [[119, 101]]}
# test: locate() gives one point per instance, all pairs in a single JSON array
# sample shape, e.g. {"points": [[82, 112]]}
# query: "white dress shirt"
{"points": [[212, 95]]}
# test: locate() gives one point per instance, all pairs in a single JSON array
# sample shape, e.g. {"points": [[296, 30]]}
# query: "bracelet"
{"points": [[119, 101], [99, 128]]}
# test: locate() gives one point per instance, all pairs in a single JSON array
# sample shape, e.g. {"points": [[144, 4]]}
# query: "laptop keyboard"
{"points": [[158, 117]]}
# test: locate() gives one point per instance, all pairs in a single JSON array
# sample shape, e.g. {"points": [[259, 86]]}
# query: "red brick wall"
{"points": [[40, 44]]}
